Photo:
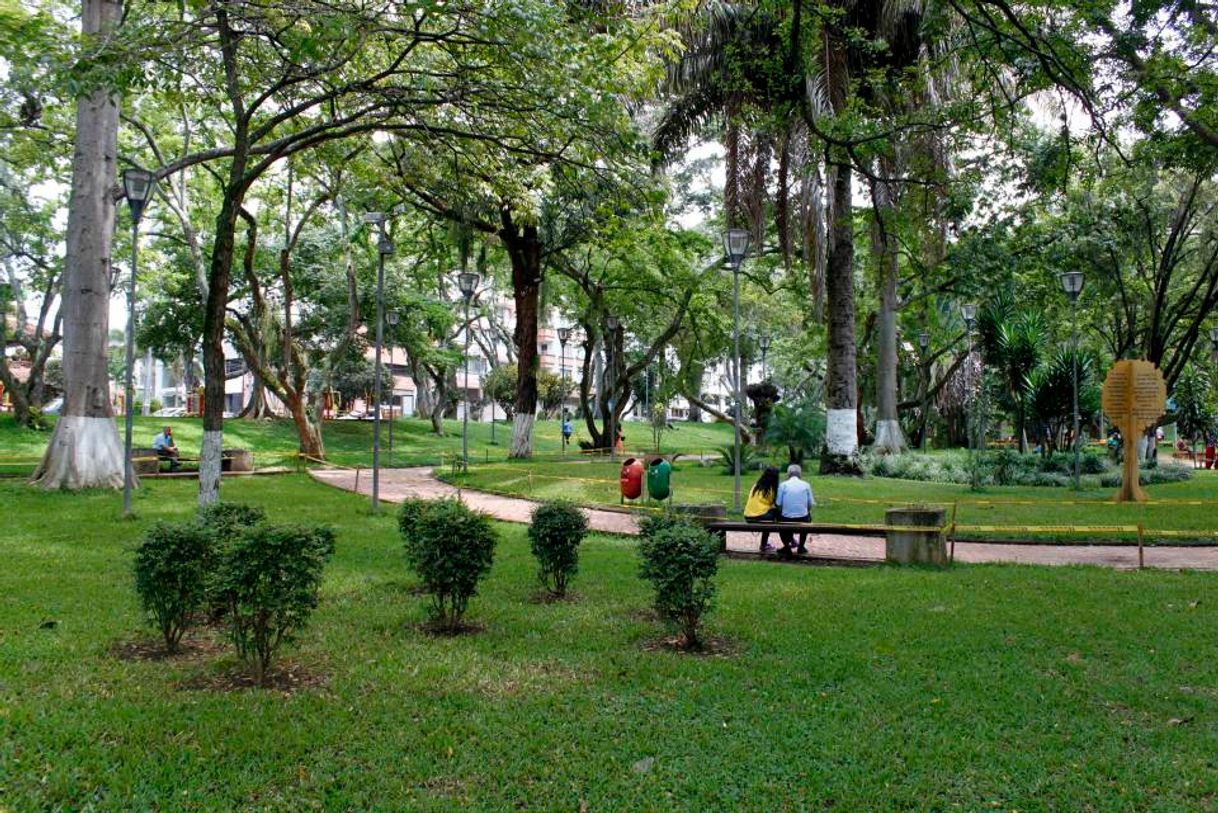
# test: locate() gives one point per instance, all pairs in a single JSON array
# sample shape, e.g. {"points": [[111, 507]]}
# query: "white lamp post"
{"points": [[137, 188], [467, 282], [735, 247], [1072, 284], [384, 248]]}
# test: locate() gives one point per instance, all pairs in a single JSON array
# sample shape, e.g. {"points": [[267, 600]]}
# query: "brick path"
{"points": [[399, 484]]}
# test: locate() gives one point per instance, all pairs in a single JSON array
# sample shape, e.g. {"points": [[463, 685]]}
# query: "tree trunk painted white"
{"points": [[84, 451], [522, 435], [889, 439], [841, 432], [149, 382], [209, 466], [80, 455]]}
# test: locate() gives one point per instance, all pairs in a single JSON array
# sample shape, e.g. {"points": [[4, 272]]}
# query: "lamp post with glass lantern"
{"points": [[384, 248], [467, 282], [764, 343], [392, 318], [924, 346], [137, 188], [735, 246], [1072, 284], [564, 334], [612, 323]]}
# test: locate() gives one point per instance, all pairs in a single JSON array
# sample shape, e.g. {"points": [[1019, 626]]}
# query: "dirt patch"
{"points": [[710, 646], [153, 649], [287, 677]]}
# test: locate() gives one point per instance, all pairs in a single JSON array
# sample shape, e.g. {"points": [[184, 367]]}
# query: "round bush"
{"points": [[680, 559], [556, 530], [268, 580], [171, 567], [228, 520], [451, 548]]}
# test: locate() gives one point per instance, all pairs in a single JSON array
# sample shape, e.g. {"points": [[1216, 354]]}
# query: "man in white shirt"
{"points": [[794, 502]]}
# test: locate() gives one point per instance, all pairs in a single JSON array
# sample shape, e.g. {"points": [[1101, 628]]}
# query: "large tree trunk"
{"points": [[213, 348], [889, 439], [841, 387], [524, 248], [85, 451], [308, 431]]}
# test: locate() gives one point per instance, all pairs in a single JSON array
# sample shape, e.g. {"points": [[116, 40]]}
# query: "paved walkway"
{"points": [[400, 484]]}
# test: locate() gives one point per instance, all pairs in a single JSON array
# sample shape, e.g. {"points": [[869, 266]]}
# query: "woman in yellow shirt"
{"points": [[760, 507]]}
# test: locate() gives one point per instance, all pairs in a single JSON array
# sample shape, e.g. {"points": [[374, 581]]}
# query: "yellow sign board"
{"points": [[1133, 399]]}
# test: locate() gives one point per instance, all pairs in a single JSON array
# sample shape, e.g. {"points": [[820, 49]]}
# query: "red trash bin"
{"points": [[632, 479]]}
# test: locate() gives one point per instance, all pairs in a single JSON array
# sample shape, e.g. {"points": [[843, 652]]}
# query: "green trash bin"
{"points": [[659, 479]]}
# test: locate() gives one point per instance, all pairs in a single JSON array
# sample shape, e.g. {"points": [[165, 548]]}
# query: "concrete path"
{"points": [[399, 484]]}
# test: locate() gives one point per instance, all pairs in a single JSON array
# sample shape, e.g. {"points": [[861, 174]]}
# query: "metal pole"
{"points": [[739, 381], [612, 377], [1074, 335], [465, 415], [376, 386], [925, 405], [562, 368], [128, 467]]}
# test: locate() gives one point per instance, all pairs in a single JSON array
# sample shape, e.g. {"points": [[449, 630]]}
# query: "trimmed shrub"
{"points": [[555, 532], [171, 567], [653, 524], [451, 548], [680, 559], [268, 580]]}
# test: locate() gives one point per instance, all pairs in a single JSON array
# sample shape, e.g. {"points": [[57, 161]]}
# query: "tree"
{"points": [[84, 451], [1196, 412]]}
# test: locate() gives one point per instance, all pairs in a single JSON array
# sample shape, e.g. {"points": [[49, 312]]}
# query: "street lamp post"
{"points": [[736, 245], [384, 248], [564, 334], [969, 311], [1072, 284], [392, 318], [137, 188], [924, 345], [467, 281], [764, 343], [612, 323]]}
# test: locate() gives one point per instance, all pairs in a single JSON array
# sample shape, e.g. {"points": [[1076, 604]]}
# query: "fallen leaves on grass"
{"points": [[288, 678], [153, 649], [710, 646]]}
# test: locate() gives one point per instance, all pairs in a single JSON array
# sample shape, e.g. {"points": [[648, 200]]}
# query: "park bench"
{"points": [[721, 529], [146, 461]]}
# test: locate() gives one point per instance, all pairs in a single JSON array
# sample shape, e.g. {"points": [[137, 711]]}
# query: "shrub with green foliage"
{"points": [[1001, 467], [408, 516], [268, 580], [680, 558], [228, 520], [555, 532], [451, 548], [171, 567]]}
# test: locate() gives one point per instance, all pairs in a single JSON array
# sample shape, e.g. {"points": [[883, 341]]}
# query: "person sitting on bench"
{"points": [[795, 501], [166, 449], [760, 507]]}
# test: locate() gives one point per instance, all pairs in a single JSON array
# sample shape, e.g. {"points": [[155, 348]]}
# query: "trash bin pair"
{"points": [[659, 479]]}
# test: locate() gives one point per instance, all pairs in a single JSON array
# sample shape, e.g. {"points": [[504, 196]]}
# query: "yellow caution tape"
{"points": [[1052, 529]]}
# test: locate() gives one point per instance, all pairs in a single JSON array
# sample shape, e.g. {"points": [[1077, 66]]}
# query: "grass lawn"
{"points": [[976, 688], [349, 443], [857, 500]]}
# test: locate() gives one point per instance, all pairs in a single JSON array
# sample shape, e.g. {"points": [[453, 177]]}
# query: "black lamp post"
{"points": [[392, 318], [564, 335], [736, 246], [1072, 284], [764, 343], [612, 323], [467, 282], [969, 311], [384, 248], [137, 188], [924, 346]]}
